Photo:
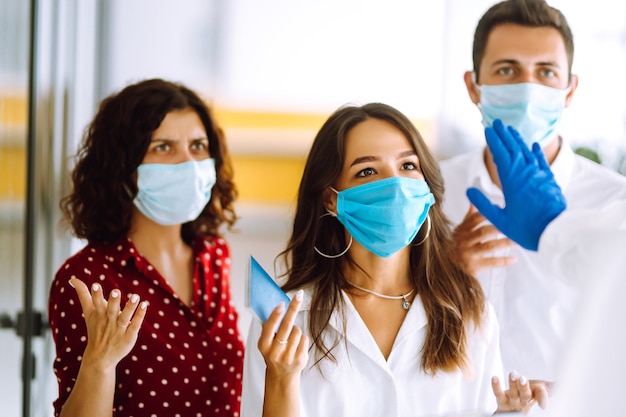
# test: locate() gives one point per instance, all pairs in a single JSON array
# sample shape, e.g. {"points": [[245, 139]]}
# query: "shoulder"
{"points": [[212, 244], [83, 261], [599, 172]]}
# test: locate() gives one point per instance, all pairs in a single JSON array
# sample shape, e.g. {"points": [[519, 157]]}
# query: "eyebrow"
{"points": [[176, 140], [370, 158], [516, 62]]}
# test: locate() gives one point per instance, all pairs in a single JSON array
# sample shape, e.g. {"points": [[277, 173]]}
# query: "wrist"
{"points": [[93, 362]]}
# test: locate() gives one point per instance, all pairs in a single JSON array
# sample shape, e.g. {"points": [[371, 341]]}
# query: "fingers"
{"points": [[477, 242], [541, 159], [286, 327], [498, 390], [482, 204], [541, 392], [284, 346], [268, 330], [97, 298], [523, 389], [83, 295], [92, 301], [519, 397], [498, 146], [520, 145], [468, 236], [133, 313]]}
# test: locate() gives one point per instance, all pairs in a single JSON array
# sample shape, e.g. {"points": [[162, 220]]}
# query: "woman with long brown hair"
{"points": [[384, 320]]}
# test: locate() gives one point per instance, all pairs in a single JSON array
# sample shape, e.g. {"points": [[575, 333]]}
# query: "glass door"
{"points": [[14, 104], [48, 51]]}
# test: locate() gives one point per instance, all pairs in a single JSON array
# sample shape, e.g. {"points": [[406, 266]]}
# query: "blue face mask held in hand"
{"points": [[532, 197], [263, 293], [384, 216], [174, 193], [534, 110]]}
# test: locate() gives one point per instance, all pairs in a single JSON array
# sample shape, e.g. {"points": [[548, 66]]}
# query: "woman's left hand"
{"points": [[522, 394]]}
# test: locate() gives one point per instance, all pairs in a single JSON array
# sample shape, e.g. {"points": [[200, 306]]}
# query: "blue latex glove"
{"points": [[532, 197]]}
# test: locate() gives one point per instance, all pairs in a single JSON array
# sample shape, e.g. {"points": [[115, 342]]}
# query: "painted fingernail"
{"points": [[143, 305], [522, 380], [514, 376], [281, 306], [495, 380], [70, 282], [95, 287], [134, 298], [115, 294], [299, 295]]}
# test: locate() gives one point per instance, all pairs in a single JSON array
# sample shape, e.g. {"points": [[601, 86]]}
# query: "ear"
{"points": [[330, 200], [473, 92], [573, 85]]}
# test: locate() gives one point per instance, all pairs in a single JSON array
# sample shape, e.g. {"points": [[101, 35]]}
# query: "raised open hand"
{"points": [[111, 330]]}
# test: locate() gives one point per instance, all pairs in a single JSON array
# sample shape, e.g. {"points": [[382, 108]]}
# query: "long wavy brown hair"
{"points": [[452, 298], [99, 206]]}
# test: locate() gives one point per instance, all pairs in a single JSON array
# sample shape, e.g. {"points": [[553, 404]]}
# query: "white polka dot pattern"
{"points": [[188, 360]]}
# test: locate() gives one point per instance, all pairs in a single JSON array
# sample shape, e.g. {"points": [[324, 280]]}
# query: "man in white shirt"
{"points": [[584, 243], [523, 53]]}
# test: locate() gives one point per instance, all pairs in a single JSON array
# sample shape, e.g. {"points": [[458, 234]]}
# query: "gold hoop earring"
{"points": [[339, 254], [427, 231]]}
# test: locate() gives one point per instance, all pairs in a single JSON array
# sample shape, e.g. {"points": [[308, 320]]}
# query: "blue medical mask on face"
{"points": [[174, 193], [384, 216], [533, 109]]}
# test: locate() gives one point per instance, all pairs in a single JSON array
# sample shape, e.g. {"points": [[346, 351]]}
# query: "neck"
{"points": [[383, 275], [550, 152], [151, 238]]}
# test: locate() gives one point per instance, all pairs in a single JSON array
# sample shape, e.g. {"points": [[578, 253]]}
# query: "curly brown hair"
{"points": [[452, 298], [100, 205]]}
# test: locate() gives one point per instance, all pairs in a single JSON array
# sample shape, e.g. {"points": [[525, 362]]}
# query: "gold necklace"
{"points": [[405, 302]]}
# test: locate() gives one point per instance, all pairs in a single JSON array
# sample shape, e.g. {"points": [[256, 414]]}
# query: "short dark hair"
{"points": [[532, 13], [99, 206]]}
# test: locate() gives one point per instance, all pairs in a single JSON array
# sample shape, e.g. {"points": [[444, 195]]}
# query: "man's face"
{"points": [[520, 54]]}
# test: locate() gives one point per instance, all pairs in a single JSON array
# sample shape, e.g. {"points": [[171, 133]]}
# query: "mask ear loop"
{"points": [[339, 254], [427, 231]]}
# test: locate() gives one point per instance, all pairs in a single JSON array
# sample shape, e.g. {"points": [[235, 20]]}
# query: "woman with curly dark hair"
{"points": [[384, 319], [151, 187]]}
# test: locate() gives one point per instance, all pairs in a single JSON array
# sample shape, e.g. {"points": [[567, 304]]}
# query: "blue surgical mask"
{"points": [[384, 216], [533, 109], [174, 193]]}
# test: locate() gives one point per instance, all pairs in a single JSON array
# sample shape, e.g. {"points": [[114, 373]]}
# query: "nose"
{"points": [[527, 76], [185, 154], [389, 172]]}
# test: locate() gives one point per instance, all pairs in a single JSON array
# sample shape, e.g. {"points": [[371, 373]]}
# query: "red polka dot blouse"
{"points": [[187, 361]]}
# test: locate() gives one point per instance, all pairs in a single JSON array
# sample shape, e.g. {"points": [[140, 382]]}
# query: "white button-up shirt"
{"points": [[363, 384], [534, 299]]}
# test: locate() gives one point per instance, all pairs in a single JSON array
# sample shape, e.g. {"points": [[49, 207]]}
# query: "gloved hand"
{"points": [[532, 197]]}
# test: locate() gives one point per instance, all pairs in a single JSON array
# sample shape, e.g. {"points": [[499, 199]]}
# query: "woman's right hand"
{"points": [[285, 349], [112, 331]]}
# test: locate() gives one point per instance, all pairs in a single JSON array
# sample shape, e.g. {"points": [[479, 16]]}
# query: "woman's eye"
{"points": [[163, 147], [365, 172], [409, 166], [199, 146]]}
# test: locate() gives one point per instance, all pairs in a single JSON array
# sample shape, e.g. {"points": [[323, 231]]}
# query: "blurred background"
{"points": [[272, 70]]}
